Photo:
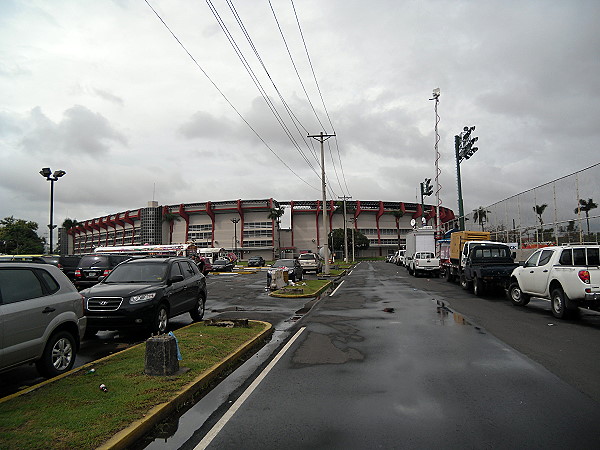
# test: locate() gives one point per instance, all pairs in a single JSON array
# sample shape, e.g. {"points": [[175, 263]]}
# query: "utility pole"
{"points": [[322, 138], [345, 229]]}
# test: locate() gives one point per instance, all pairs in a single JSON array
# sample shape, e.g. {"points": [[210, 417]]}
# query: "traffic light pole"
{"points": [[461, 212]]}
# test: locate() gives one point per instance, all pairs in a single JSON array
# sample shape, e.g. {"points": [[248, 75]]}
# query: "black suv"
{"points": [[92, 267], [145, 293]]}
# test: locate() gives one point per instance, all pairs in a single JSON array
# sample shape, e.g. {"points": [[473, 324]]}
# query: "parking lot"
{"points": [[230, 295]]}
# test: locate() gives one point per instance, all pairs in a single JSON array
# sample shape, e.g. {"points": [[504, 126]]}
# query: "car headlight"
{"points": [[142, 298]]}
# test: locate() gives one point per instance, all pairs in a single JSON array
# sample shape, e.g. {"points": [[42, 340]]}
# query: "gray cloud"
{"points": [[109, 97], [80, 131]]}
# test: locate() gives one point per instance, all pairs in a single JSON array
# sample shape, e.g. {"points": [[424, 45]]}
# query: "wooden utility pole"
{"points": [[322, 138]]}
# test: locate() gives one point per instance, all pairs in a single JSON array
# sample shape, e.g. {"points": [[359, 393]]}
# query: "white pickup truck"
{"points": [[568, 275], [424, 263]]}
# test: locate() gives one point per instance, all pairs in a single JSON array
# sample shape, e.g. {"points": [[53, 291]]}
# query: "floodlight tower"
{"points": [[51, 177], [438, 186]]}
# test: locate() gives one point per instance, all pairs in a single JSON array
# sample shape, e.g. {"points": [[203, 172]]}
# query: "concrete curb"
{"points": [[139, 428]]}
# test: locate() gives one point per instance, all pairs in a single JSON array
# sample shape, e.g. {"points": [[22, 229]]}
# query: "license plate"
{"points": [[92, 274]]}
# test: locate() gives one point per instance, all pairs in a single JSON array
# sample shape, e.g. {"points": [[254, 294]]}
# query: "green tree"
{"points": [[19, 237], [586, 206], [480, 215], [337, 239], [70, 223], [539, 210]]}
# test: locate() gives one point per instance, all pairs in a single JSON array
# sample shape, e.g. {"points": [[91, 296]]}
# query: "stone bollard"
{"points": [[161, 355]]}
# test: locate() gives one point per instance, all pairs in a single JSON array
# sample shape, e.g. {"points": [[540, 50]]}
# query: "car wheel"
{"points": [[198, 312], [58, 356], [464, 283], [448, 275], [561, 308], [478, 287], [517, 297], [161, 320]]}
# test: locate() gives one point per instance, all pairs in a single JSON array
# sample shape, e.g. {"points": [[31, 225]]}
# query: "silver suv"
{"points": [[41, 318], [310, 261]]}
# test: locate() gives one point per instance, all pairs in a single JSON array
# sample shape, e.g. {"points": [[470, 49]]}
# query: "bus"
{"points": [[166, 249]]}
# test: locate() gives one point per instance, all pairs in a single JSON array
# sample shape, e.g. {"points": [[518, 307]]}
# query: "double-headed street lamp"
{"points": [[463, 147], [51, 177]]}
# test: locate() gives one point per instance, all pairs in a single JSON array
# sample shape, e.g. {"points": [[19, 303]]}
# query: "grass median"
{"points": [[73, 412], [306, 288]]}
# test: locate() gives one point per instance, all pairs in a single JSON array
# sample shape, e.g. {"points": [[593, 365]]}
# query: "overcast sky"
{"points": [[102, 90]]}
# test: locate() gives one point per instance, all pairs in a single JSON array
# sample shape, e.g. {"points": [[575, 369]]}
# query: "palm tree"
{"points": [[70, 223], [398, 214], [480, 215], [275, 214], [539, 210], [170, 218], [586, 206]]}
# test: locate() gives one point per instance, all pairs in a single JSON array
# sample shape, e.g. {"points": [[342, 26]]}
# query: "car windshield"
{"points": [[138, 273], [93, 260], [307, 256], [284, 263]]}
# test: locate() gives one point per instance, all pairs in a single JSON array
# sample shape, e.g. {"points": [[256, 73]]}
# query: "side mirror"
{"points": [[175, 279]]}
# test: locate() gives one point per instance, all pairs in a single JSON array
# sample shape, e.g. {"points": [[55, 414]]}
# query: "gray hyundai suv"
{"points": [[41, 318]]}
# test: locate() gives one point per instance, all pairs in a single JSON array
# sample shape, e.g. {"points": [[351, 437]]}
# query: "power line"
{"points": [[319, 90], [291, 114], [225, 97], [255, 80], [254, 77]]}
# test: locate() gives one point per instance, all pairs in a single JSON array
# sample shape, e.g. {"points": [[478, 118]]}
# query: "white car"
{"points": [[568, 276]]}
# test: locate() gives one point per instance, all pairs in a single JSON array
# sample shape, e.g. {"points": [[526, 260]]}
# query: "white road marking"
{"points": [[214, 431], [335, 290]]}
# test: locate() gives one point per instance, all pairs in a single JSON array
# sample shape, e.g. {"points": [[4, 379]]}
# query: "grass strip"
{"points": [[310, 288], [74, 412]]}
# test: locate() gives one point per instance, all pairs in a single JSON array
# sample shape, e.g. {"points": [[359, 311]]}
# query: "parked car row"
{"points": [[44, 318], [568, 275], [67, 263]]}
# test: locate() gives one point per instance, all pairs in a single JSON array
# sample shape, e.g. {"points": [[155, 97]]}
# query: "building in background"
{"points": [[255, 230]]}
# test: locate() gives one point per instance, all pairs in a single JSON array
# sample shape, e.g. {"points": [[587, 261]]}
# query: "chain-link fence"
{"points": [[561, 211]]}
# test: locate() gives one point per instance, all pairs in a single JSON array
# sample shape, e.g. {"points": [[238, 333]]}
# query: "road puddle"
{"points": [[444, 316]]}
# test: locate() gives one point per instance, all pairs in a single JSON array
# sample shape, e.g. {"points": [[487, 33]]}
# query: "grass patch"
{"points": [[73, 412], [309, 288]]}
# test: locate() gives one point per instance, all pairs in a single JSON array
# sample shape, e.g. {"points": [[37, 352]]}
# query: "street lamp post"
{"points": [[235, 221], [51, 177], [463, 148]]}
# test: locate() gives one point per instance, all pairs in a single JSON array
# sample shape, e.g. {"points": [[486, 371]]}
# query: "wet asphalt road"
{"points": [[422, 375], [384, 363]]}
